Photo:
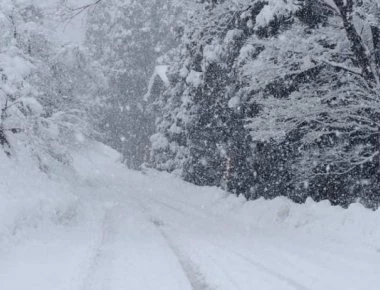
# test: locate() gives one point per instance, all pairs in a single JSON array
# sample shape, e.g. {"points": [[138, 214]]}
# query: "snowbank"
{"points": [[30, 200], [356, 224]]}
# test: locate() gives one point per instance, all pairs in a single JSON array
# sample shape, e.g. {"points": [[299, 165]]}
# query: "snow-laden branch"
{"points": [[339, 66]]}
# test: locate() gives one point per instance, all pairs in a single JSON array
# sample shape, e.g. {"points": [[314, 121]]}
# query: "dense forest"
{"points": [[262, 98], [270, 98]]}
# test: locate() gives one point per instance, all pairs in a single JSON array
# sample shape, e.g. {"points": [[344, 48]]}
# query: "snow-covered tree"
{"points": [[277, 98], [127, 38], [206, 137], [319, 92], [41, 96]]}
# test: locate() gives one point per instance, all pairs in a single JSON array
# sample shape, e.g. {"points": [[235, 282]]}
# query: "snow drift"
{"points": [[356, 224]]}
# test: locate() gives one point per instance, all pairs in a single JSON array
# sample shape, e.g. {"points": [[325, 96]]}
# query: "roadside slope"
{"points": [[105, 227]]}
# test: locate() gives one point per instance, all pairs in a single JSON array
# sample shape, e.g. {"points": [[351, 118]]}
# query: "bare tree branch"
{"points": [[75, 11]]}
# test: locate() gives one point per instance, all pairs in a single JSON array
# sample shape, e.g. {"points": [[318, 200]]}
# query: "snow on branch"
{"points": [[340, 66]]}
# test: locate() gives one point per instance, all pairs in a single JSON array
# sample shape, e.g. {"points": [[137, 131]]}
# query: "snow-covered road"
{"points": [[219, 253], [152, 231]]}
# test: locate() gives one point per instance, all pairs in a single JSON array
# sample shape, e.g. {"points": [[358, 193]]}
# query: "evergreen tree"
{"points": [[276, 98], [127, 38]]}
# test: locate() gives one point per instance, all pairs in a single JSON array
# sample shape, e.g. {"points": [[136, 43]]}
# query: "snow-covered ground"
{"points": [[107, 228]]}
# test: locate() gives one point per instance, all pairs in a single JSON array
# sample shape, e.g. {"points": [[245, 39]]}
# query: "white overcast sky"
{"points": [[73, 30]]}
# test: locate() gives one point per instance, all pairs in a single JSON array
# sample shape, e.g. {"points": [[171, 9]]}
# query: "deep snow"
{"points": [[105, 227]]}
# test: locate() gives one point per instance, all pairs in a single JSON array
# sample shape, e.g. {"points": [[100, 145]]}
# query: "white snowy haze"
{"points": [[69, 29], [209, 146]]}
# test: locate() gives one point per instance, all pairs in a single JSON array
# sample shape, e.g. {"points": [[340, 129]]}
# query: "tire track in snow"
{"points": [[200, 214], [192, 272], [263, 268], [196, 279], [95, 277]]}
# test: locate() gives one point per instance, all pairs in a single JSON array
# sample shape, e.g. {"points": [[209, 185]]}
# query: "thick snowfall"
{"points": [[96, 225], [108, 228]]}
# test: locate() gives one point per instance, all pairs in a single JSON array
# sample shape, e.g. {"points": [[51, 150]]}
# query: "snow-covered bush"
{"points": [[45, 88]]}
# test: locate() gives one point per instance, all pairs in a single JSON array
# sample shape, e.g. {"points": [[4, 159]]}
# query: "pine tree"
{"points": [[127, 38]]}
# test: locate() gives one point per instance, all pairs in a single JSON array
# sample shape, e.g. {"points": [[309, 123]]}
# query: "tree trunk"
{"points": [[3, 138], [362, 55], [376, 44]]}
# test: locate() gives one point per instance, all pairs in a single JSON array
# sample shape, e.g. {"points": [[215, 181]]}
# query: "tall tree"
{"points": [[127, 38], [287, 88]]}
